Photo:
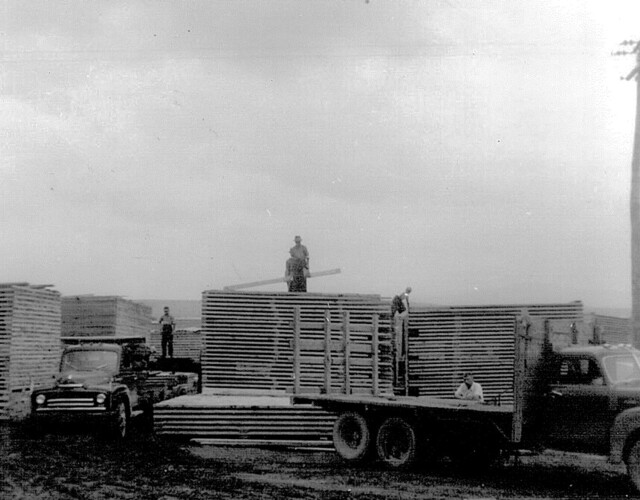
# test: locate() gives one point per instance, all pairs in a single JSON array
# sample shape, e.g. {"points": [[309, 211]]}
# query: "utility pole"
{"points": [[634, 205]]}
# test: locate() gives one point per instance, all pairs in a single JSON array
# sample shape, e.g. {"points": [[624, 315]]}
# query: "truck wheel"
{"points": [[396, 443], [351, 436], [120, 421], [633, 464]]}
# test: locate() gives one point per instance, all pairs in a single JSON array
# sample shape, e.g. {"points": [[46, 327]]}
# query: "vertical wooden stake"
{"points": [[327, 352], [518, 378], [347, 353], [296, 350], [375, 364]]}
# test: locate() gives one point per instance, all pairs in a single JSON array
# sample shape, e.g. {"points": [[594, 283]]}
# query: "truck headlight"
{"points": [[101, 398], [40, 399]]}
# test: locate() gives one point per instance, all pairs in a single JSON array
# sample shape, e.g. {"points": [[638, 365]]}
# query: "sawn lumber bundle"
{"points": [[29, 343], [103, 316]]}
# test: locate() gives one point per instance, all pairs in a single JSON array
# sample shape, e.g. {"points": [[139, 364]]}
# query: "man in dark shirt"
{"points": [[294, 274], [400, 317]]}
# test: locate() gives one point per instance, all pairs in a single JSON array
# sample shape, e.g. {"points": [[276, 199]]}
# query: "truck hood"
{"points": [[83, 379]]}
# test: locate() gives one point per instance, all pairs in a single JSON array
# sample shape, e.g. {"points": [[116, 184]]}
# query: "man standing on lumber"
{"points": [[294, 274], [168, 326], [299, 251], [297, 268]]}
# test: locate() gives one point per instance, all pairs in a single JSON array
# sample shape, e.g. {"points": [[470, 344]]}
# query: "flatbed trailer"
{"points": [[581, 397], [402, 429], [397, 428]]}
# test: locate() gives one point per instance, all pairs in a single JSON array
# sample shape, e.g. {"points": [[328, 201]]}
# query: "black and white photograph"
{"points": [[319, 249]]}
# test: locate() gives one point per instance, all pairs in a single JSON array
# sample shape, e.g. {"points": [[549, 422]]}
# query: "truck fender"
{"points": [[121, 394], [625, 426]]}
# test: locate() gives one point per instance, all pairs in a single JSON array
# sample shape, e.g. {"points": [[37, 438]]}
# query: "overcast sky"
{"points": [[477, 151]]}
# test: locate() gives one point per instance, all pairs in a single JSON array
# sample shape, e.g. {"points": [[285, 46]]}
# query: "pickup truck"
{"points": [[580, 398], [106, 383]]}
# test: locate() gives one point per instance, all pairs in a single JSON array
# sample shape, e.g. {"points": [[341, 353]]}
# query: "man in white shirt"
{"points": [[168, 327], [469, 390]]}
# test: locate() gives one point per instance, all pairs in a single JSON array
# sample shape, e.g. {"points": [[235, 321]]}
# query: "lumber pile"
{"points": [[104, 316], [611, 329], [445, 342], [29, 343], [250, 420], [187, 343], [248, 336]]}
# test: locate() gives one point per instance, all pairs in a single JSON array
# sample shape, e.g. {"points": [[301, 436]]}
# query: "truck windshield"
{"points": [[622, 368], [89, 361]]}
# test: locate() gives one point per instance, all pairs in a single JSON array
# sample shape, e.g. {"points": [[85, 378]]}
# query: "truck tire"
{"points": [[396, 443], [120, 423], [352, 437], [633, 464]]}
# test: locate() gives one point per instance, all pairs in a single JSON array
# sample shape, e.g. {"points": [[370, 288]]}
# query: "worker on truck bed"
{"points": [[469, 390], [168, 325]]}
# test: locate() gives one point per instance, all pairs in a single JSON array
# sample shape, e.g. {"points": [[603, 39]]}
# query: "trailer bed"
{"points": [[419, 403]]}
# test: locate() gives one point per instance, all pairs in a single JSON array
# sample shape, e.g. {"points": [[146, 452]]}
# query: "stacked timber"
{"points": [[250, 420], [248, 337], [187, 343], [445, 342], [29, 343], [104, 316], [610, 329]]}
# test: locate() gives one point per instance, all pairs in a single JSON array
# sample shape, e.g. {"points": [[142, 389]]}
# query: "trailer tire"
{"points": [[396, 444], [633, 464], [352, 437]]}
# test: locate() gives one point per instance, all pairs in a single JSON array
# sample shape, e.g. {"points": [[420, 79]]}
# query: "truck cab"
{"points": [[590, 387], [106, 382]]}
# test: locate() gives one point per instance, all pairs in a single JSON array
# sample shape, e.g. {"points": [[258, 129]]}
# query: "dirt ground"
{"points": [[85, 466]]}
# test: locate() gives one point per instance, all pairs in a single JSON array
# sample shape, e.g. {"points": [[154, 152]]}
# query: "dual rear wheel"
{"points": [[395, 444]]}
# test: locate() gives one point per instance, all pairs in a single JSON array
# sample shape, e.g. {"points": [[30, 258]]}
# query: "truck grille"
{"points": [[71, 404]]}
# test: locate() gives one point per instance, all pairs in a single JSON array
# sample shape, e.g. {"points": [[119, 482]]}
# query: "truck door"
{"points": [[579, 413]]}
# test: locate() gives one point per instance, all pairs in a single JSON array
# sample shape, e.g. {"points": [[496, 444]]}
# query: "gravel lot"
{"points": [[85, 466]]}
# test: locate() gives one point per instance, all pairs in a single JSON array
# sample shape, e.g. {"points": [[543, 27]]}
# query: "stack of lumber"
{"points": [[91, 316], [250, 420], [248, 335], [187, 343], [29, 343], [445, 342], [611, 329]]}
